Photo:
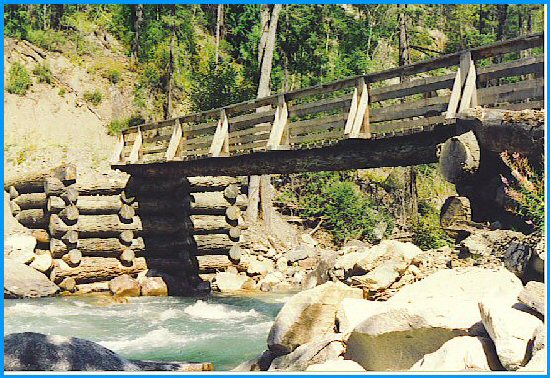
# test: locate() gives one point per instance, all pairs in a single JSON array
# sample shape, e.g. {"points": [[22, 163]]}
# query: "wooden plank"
{"points": [[261, 133], [148, 149], [388, 127], [322, 127], [521, 91], [319, 106], [337, 134], [362, 109], [525, 66], [352, 111], [455, 96], [412, 87], [411, 109], [135, 154], [249, 147], [248, 120], [219, 145], [315, 124]]}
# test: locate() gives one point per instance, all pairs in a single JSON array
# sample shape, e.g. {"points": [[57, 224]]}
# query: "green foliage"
{"points": [[113, 75], [93, 97], [43, 73], [61, 92], [19, 79], [51, 40], [337, 200], [117, 126], [427, 232], [526, 189]]}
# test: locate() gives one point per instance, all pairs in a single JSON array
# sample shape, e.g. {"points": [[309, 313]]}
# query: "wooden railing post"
{"points": [[119, 147], [175, 140], [220, 142], [279, 137], [136, 153], [358, 124], [469, 94]]}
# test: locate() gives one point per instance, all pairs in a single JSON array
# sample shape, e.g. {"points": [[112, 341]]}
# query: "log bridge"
{"points": [[396, 117]]}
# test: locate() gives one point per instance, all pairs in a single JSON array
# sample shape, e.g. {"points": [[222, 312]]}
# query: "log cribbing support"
{"points": [[220, 142], [279, 138]]}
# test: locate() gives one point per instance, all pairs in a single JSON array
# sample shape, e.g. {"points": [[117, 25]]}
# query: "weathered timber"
{"points": [[174, 266], [13, 192], [231, 191], [126, 213], [55, 187], [234, 233], [69, 214], [94, 269], [459, 157], [518, 131], [70, 237], [126, 237], [34, 182], [41, 236], [31, 201], [14, 208], [210, 224], [216, 263], [33, 218], [91, 226], [147, 205], [235, 253], [405, 150], [161, 247], [104, 186], [73, 257], [233, 213], [211, 203], [96, 205], [212, 244], [55, 204], [127, 257], [138, 186], [101, 247]]}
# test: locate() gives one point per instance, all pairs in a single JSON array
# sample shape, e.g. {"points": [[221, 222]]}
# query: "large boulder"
{"points": [[461, 354], [153, 287], [537, 363], [31, 351], [308, 314], [534, 296], [20, 247], [513, 331], [22, 281], [227, 282], [353, 311], [318, 351], [421, 317], [42, 263], [124, 286]]}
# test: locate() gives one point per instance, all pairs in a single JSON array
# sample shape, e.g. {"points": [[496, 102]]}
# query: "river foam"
{"points": [[211, 311]]}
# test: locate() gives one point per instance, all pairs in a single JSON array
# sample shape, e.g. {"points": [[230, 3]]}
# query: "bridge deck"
{"points": [[371, 120]]}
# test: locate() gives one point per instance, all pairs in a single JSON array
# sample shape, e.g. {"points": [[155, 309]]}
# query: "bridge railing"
{"points": [[401, 100]]}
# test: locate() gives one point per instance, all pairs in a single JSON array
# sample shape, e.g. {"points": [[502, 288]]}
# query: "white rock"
{"points": [[391, 250], [20, 248], [256, 267], [348, 261], [382, 276], [273, 278], [308, 239], [511, 330], [464, 353], [336, 366], [537, 363], [353, 311], [42, 263], [422, 316], [308, 314], [282, 264], [229, 281]]}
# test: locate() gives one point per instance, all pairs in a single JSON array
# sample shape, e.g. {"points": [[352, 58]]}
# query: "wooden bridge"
{"points": [[395, 117]]}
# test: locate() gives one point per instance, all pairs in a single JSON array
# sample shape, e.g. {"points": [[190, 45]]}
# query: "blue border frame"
{"points": [[269, 2]]}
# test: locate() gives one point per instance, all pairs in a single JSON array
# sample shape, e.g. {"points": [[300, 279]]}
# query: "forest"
{"points": [[198, 57]]}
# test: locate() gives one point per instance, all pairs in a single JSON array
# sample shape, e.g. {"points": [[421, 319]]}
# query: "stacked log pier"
{"points": [[98, 228], [28, 200]]}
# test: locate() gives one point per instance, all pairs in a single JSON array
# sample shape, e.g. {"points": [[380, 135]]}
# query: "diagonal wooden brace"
{"points": [[220, 142], [469, 95], [119, 147], [357, 124], [279, 137], [175, 140], [136, 152]]}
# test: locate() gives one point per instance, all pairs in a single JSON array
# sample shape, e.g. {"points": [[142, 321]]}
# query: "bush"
{"points": [[94, 97], [43, 73], [427, 232], [19, 79], [526, 189], [61, 92], [117, 126], [51, 40], [333, 197], [113, 75]]}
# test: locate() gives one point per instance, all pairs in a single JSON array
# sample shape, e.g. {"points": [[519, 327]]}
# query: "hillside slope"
{"points": [[53, 123]]}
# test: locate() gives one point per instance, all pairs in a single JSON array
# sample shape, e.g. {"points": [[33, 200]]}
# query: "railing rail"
{"points": [[372, 105]]}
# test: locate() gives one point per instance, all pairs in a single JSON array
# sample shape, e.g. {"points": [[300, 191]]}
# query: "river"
{"points": [[225, 330]]}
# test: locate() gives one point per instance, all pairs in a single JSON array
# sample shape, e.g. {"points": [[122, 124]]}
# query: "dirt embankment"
{"points": [[53, 123]]}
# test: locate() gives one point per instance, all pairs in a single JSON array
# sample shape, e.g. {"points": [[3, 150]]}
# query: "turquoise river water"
{"points": [[225, 330]]}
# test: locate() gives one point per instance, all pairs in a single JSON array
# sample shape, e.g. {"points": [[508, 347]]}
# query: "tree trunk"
{"points": [[459, 157], [219, 32], [31, 201], [217, 244], [264, 90], [33, 218], [33, 182], [138, 19]]}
